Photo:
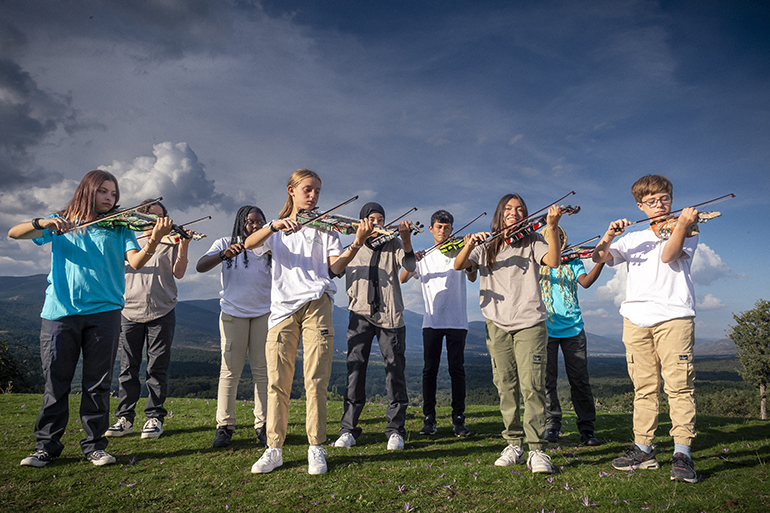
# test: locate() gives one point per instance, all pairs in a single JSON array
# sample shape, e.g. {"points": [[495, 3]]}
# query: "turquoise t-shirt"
{"points": [[87, 270], [564, 319]]}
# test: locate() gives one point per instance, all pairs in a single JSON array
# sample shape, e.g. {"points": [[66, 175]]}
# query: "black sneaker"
{"points": [[459, 427], [634, 459], [551, 435], [682, 469], [41, 458], [261, 435], [222, 438], [589, 438], [429, 426]]}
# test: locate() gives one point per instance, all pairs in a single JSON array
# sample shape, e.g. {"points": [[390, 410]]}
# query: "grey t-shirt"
{"points": [[510, 292], [392, 258], [151, 291]]}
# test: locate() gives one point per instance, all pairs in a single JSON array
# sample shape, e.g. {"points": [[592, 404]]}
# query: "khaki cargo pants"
{"points": [[664, 350], [313, 324]]}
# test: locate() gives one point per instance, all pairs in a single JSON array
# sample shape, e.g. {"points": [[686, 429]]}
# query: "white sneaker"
{"points": [[345, 440], [316, 461], [511, 455], [100, 458], [122, 427], [395, 442], [270, 460], [153, 428], [539, 462]]}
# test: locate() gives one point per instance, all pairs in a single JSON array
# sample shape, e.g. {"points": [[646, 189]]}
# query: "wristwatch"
{"points": [[272, 228], [222, 255]]}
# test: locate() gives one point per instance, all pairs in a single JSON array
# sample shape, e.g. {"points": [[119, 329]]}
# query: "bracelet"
{"points": [[36, 224], [151, 240], [222, 255], [272, 228], [147, 252], [356, 246]]}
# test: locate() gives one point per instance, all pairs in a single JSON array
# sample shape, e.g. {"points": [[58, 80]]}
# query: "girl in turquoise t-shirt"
{"points": [[81, 312], [565, 330]]}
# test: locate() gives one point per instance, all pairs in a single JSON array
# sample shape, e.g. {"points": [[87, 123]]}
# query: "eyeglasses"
{"points": [[259, 224], [663, 200]]}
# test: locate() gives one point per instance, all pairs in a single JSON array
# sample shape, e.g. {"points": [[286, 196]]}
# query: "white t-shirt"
{"points": [[443, 290], [655, 292], [245, 290], [300, 269]]}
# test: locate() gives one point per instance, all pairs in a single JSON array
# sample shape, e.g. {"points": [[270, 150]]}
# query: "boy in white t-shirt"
{"points": [[443, 291], [658, 325]]}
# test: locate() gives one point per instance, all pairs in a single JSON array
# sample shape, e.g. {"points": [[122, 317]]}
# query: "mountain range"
{"points": [[21, 300]]}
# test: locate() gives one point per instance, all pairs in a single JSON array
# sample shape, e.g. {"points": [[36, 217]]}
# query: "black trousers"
{"points": [[455, 349], [576, 364], [392, 343], [61, 342], [158, 335]]}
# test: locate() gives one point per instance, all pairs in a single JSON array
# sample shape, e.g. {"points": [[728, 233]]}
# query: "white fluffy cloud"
{"points": [[615, 289], [174, 173], [707, 266], [710, 302]]}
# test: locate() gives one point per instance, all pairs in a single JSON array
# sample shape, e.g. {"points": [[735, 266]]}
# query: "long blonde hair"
{"points": [[294, 180], [565, 279]]}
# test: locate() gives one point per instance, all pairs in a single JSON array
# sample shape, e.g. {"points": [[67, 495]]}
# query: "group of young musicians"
{"points": [[278, 288]]}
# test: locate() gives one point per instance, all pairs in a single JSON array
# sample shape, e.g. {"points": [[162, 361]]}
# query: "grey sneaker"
{"points": [[395, 442], [100, 458], [683, 469], [270, 460], [41, 458], [345, 440], [539, 462], [636, 458], [153, 428], [122, 427], [261, 436], [429, 425], [551, 435], [223, 436], [316, 460], [511, 455], [459, 428]]}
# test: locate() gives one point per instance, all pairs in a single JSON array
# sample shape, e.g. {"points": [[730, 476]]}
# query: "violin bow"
{"points": [[505, 229], [181, 225], [116, 214], [413, 209], [456, 232], [709, 202], [324, 214], [575, 246]]}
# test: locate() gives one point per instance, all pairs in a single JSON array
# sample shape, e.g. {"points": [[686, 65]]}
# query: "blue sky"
{"points": [[212, 104]]}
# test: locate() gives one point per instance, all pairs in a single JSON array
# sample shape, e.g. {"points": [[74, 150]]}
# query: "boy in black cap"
{"points": [[376, 309]]}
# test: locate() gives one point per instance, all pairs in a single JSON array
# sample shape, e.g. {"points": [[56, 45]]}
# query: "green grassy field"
{"points": [[180, 471]]}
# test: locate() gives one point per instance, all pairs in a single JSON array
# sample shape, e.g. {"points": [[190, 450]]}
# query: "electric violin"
{"points": [[453, 244], [663, 226], [175, 238], [510, 230], [532, 225]]}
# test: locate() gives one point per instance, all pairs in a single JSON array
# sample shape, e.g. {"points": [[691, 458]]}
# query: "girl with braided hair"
{"points": [[565, 330], [245, 304]]}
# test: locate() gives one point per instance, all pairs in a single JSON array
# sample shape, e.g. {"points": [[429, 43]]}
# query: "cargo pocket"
{"points": [[630, 365], [685, 371]]}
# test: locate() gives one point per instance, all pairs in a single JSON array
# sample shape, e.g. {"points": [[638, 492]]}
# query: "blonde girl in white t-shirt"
{"points": [[301, 308]]}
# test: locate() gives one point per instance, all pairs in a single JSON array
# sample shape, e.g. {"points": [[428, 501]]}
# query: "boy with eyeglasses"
{"points": [[658, 324]]}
